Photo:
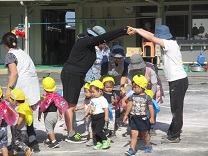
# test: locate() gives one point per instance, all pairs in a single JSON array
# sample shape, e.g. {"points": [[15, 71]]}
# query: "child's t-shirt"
{"points": [[109, 97], [98, 105], [140, 104], [87, 103], [51, 108], [25, 109]]}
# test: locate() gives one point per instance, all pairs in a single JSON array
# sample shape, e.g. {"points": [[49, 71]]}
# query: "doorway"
{"points": [[58, 38]]}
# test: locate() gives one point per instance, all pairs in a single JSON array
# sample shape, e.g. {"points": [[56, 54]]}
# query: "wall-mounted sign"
{"points": [[200, 27], [133, 50]]}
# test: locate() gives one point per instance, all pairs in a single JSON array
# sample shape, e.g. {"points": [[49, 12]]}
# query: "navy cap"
{"points": [[117, 51]]}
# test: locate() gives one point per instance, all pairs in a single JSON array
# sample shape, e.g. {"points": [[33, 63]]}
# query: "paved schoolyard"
{"points": [[194, 137]]}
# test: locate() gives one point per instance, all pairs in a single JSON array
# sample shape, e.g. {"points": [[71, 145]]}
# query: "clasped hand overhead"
{"points": [[131, 30]]}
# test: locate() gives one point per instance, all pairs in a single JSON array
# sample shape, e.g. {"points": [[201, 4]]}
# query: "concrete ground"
{"points": [[194, 137]]}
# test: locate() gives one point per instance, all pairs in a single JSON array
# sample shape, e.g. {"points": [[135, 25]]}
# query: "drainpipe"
{"points": [[160, 11], [80, 15], [26, 28]]}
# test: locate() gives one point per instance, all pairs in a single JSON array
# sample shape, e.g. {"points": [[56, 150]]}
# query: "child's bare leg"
{"points": [[4, 151], [91, 135], [134, 135], [52, 136], [146, 138]]}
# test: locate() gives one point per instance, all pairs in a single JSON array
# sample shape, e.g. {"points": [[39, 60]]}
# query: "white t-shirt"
{"points": [[172, 61], [27, 79], [98, 105]]}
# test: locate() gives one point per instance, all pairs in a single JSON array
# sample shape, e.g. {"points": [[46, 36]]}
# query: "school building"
{"points": [[51, 27]]}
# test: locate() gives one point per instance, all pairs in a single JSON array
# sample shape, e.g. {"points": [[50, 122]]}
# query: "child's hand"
{"points": [[152, 120], [16, 126], [113, 101], [60, 116], [125, 119], [123, 91], [106, 119], [105, 125], [76, 109], [42, 97]]}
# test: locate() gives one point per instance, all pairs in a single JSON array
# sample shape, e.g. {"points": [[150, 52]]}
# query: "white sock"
{"points": [[53, 141]]}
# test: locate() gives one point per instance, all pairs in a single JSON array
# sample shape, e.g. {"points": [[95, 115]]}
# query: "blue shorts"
{"points": [[3, 137], [140, 123]]}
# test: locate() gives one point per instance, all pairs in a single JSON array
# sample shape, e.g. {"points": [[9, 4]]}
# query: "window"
{"points": [[70, 20], [178, 25]]}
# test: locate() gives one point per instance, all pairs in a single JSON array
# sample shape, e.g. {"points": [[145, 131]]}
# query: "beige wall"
{"points": [[119, 20], [16, 16]]}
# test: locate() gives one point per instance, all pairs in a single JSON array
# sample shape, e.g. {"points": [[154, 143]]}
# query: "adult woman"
{"points": [[22, 74], [102, 53], [117, 66]]}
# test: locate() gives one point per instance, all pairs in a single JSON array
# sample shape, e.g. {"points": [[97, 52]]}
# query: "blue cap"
{"points": [[163, 32], [117, 51], [96, 30]]}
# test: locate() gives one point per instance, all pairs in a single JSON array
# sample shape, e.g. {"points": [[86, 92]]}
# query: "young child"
{"points": [[98, 109], [88, 121], [20, 137], [48, 105], [3, 128], [111, 97], [8, 116], [139, 106]]}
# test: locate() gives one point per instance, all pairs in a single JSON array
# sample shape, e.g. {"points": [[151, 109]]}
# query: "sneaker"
{"points": [[109, 141], [171, 140], [99, 146], [54, 145], [129, 152], [76, 138], [89, 142], [45, 142], [85, 134], [148, 149], [13, 153], [106, 144], [33, 144], [152, 132], [111, 134], [165, 136], [29, 152]]}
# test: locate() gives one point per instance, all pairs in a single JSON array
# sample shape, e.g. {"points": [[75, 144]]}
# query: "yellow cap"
{"points": [[108, 78], [17, 94], [141, 81], [150, 93], [1, 92], [49, 84], [97, 83], [87, 86]]}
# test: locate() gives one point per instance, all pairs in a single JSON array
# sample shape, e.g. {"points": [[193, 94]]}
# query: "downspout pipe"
{"points": [[26, 28]]}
